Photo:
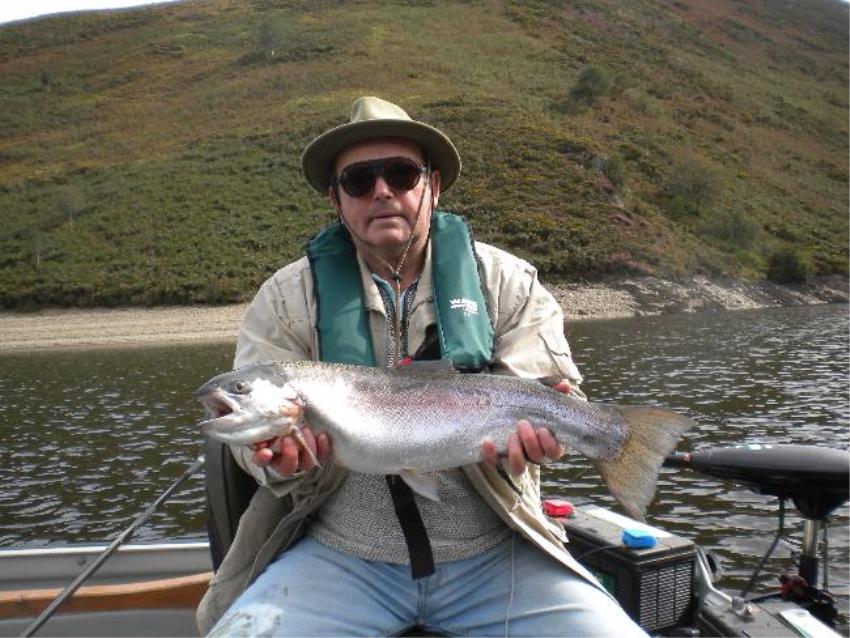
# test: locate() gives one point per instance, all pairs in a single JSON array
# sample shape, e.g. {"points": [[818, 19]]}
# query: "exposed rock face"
{"points": [[639, 296]]}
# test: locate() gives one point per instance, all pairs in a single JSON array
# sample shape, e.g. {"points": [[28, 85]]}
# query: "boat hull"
{"points": [[142, 590]]}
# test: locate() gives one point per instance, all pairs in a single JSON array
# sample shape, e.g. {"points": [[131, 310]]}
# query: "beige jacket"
{"points": [[279, 325]]}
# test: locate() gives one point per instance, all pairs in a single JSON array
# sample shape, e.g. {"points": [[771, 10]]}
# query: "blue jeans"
{"points": [[513, 589]]}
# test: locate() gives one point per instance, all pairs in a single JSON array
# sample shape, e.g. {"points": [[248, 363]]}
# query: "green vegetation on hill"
{"points": [[152, 156]]}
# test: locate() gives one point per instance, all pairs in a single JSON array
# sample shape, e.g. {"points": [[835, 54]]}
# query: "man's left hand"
{"points": [[528, 444]]}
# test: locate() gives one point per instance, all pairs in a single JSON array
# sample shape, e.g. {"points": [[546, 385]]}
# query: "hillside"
{"points": [[152, 156]]}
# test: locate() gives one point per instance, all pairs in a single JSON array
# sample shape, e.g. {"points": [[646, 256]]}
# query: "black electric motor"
{"points": [[814, 478]]}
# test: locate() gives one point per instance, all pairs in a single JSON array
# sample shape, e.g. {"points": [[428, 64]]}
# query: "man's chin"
{"points": [[388, 235], [387, 244], [389, 221], [390, 245]]}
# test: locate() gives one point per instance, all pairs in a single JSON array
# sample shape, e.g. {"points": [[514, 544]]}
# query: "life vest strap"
{"points": [[415, 534]]}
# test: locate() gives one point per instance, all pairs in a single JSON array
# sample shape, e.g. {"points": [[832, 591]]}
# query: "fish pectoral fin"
{"points": [[295, 433], [426, 485]]}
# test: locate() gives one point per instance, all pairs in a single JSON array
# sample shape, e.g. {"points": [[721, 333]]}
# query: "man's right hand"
{"points": [[286, 456]]}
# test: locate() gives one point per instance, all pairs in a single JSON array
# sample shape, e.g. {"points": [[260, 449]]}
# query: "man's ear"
{"points": [[333, 199], [435, 187]]}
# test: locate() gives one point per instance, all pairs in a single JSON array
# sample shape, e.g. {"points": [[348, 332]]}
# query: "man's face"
{"points": [[384, 217]]}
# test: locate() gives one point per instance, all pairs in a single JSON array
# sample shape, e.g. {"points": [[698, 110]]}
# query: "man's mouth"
{"points": [[386, 214]]}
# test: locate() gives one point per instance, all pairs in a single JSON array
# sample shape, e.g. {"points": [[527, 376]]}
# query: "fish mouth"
{"points": [[219, 405], [228, 421]]}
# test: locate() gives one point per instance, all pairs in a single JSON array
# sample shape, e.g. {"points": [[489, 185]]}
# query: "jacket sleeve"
{"points": [[528, 321], [277, 327], [278, 324]]}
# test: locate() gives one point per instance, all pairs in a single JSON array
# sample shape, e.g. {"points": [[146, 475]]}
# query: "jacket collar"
{"points": [[371, 295]]}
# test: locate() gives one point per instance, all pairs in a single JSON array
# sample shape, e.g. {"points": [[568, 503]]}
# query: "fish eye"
{"points": [[240, 387]]}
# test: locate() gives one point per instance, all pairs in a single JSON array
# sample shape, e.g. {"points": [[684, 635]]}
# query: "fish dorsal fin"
{"points": [[425, 485], [437, 366]]}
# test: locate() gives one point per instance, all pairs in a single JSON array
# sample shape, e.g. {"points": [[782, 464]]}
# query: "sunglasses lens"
{"points": [[400, 173], [358, 180]]}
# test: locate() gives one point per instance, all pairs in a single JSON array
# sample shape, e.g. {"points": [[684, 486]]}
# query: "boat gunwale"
{"points": [[68, 550]]}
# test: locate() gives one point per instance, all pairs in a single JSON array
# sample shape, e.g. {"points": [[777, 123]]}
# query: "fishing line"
{"points": [[601, 549], [66, 593], [825, 558], [513, 584]]}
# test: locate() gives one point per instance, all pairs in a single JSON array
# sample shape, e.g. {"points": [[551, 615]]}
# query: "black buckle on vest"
{"points": [[415, 535]]}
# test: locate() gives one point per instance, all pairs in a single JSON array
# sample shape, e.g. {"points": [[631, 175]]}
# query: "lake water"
{"points": [[91, 437]]}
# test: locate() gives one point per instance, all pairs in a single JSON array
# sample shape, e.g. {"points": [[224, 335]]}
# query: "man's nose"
{"points": [[381, 189]]}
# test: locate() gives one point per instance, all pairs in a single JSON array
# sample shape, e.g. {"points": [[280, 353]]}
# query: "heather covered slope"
{"points": [[152, 156]]}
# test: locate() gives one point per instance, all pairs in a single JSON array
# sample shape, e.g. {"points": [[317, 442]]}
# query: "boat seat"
{"points": [[228, 492]]}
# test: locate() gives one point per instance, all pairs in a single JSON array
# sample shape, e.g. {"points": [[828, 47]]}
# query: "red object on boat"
{"points": [[558, 508]]}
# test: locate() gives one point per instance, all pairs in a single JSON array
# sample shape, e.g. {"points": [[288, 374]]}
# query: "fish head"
{"points": [[248, 405]]}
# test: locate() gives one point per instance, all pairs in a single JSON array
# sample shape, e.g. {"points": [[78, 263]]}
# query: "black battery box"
{"points": [[653, 585]]}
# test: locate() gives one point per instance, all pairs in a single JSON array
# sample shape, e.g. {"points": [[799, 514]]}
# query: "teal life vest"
{"points": [[463, 323]]}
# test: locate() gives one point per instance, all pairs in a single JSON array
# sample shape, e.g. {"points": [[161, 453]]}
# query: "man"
{"points": [[324, 551]]}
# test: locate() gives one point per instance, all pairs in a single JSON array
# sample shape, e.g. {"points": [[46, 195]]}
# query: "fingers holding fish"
{"points": [[527, 445], [552, 449], [286, 455], [531, 445], [531, 449], [563, 386], [490, 452], [323, 448]]}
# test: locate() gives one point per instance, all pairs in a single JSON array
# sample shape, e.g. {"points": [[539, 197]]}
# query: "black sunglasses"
{"points": [[400, 174]]}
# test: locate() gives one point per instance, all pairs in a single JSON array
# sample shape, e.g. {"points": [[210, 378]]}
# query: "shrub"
{"points": [[615, 170], [69, 203], [273, 35], [690, 189], [593, 83], [733, 228], [789, 264]]}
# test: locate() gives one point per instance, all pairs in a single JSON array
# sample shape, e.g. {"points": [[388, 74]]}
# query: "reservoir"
{"points": [[90, 437]]}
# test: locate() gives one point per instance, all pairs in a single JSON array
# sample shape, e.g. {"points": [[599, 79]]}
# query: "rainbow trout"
{"points": [[423, 418]]}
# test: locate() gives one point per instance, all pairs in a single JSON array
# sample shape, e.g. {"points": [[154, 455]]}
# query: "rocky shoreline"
{"points": [[600, 299], [646, 296]]}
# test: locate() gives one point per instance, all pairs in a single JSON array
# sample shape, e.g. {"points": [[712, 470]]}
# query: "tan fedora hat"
{"points": [[372, 117]]}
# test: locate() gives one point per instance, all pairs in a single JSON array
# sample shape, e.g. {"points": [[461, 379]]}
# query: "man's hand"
{"points": [[286, 456], [528, 444]]}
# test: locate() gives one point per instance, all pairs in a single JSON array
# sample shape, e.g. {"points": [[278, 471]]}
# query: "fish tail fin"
{"points": [[653, 434]]}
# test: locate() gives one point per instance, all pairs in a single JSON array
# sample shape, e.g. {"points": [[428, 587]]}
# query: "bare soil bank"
{"points": [[75, 328]]}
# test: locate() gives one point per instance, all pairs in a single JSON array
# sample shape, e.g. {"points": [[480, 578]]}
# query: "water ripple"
{"points": [[90, 438]]}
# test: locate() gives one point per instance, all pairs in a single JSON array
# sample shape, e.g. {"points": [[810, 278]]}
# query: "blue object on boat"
{"points": [[638, 538]]}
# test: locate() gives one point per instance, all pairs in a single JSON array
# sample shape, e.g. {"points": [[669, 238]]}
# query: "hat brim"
{"points": [[317, 161]]}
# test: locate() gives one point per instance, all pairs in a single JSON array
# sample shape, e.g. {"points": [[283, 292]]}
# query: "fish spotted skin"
{"points": [[426, 418]]}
